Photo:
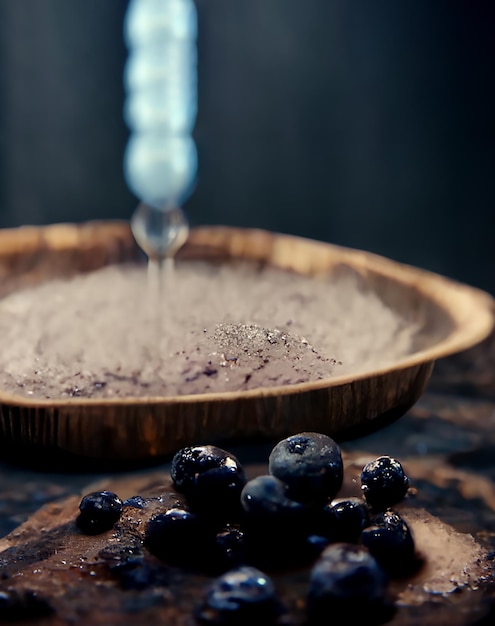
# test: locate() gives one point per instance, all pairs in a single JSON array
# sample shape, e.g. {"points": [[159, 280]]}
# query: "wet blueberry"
{"points": [[210, 477], [99, 511], [176, 536], [390, 541], [344, 519], [383, 483], [310, 464], [347, 580], [244, 595]]}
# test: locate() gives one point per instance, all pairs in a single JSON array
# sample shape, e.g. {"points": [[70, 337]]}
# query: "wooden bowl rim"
{"points": [[473, 317]]}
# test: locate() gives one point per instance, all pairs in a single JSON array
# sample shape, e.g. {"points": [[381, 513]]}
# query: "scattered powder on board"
{"points": [[220, 328]]}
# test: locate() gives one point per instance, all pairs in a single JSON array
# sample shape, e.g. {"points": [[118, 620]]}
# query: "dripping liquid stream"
{"points": [[161, 285], [159, 233]]}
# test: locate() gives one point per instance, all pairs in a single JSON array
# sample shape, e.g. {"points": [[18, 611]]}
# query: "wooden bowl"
{"points": [[135, 430]]}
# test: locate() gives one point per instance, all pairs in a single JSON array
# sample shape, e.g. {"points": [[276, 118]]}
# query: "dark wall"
{"points": [[368, 124]]}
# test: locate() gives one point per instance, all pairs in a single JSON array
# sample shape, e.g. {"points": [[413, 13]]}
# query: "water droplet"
{"points": [[159, 233]]}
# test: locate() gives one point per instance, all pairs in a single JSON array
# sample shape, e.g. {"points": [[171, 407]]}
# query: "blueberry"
{"points": [[383, 483], [344, 519], [266, 497], [244, 595], [390, 541], [310, 464], [166, 500], [276, 526], [210, 477], [99, 511], [138, 574], [19, 605], [136, 502], [229, 549], [176, 536], [347, 580], [315, 544]]}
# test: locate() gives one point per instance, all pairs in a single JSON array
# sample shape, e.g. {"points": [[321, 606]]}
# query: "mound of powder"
{"points": [[213, 328]]}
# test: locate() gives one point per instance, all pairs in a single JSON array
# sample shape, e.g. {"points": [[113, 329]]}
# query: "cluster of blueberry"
{"points": [[238, 529]]}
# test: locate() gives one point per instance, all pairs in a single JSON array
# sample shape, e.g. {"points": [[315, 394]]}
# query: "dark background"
{"points": [[366, 123]]}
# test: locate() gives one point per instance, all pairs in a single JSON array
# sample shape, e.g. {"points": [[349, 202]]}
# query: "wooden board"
{"points": [[82, 580]]}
